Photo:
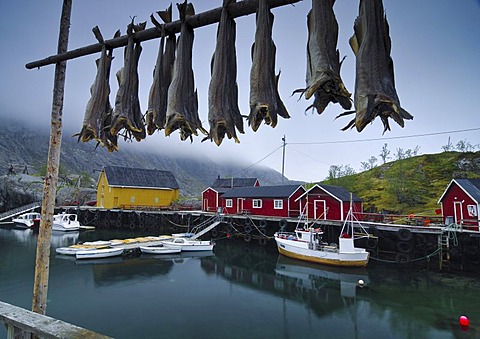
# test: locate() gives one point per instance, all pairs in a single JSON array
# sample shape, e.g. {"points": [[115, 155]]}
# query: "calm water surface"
{"points": [[239, 291]]}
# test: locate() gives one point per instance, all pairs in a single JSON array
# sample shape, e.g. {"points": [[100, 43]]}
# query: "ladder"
{"points": [[444, 248]]}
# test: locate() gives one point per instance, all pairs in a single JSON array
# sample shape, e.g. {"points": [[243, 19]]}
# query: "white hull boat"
{"points": [[26, 220], [186, 244], [72, 250], [65, 222], [159, 250], [306, 244], [99, 253]]}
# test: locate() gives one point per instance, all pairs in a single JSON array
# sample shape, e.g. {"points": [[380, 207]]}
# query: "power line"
{"points": [[265, 157], [388, 138]]}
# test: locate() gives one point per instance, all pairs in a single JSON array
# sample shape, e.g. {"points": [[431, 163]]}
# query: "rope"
{"points": [[427, 257]]}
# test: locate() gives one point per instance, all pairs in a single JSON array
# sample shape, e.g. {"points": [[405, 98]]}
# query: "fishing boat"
{"points": [[186, 244], [27, 220], [65, 222], [159, 250], [306, 244], [99, 253]]}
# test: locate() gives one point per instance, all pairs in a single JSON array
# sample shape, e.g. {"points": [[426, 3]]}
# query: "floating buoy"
{"points": [[360, 283], [464, 322]]}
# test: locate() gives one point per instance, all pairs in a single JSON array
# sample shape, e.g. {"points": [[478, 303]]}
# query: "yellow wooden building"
{"points": [[126, 187]]}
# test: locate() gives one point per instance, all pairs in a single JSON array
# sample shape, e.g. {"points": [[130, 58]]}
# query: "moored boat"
{"points": [[65, 222], [306, 244], [98, 253], [159, 250], [186, 244], [27, 220]]}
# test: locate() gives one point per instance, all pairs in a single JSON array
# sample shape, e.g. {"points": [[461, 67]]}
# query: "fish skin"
{"points": [[182, 103], [323, 59], [223, 112], [157, 104], [265, 102], [127, 114], [375, 93], [98, 112]]}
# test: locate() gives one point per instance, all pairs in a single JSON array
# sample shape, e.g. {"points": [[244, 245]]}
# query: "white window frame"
{"points": [[257, 203], [278, 204], [229, 203], [132, 199]]}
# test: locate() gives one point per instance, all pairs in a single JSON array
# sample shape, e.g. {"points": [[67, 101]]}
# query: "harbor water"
{"points": [[239, 290]]}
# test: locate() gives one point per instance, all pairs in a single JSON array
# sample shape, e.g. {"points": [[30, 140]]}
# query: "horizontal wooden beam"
{"points": [[236, 10]]}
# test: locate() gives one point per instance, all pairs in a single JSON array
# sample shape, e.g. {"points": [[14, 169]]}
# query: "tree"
{"points": [[384, 154], [448, 147], [367, 165]]}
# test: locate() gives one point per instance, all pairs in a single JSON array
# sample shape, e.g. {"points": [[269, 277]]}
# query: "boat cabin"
{"points": [[461, 202]]}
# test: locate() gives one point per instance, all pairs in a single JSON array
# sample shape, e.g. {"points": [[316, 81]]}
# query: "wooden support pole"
{"points": [[42, 263], [236, 10]]}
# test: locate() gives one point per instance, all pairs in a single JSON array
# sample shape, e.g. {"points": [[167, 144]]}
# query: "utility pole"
{"points": [[283, 159], [42, 262]]}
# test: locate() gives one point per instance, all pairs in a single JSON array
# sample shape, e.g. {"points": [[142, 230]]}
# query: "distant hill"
{"points": [[412, 185], [23, 145]]}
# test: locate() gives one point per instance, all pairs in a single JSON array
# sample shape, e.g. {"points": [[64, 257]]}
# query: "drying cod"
{"points": [[223, 112], [127, 115], [162, 76], [265, 102], [98, 113], [182, 103], [323, 59], [375, 93]]}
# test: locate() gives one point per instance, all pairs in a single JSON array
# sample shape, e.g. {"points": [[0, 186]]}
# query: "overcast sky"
{"points": [[435, 49]]}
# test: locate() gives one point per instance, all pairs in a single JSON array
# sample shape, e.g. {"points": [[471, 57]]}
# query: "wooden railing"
{"points": [[22, 323]]}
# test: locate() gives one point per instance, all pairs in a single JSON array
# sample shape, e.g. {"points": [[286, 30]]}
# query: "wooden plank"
{"points": [[42, 326], [236, 10]]}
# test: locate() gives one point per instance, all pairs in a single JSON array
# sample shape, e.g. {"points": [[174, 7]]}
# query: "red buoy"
{"points": [[464, 322]]}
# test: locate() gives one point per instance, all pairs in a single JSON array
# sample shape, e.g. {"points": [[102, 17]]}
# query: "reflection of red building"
{"points": [[461, 203], [211, 196], [328, 202], [275, 201]]}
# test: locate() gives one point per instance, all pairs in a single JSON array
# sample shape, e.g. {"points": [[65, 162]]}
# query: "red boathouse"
{"points": [[328, 202], [211, 196], [461, 202]]}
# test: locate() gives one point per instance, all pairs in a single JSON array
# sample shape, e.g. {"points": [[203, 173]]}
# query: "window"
{"points": [[156, 200], [472, 210], [132, 199], [257, 203], [278, 204], [229, 203]]}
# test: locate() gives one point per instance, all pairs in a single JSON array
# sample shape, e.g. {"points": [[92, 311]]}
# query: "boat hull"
{"points": [[188, 245], [328, 256], [159, 250], [102, 253]]}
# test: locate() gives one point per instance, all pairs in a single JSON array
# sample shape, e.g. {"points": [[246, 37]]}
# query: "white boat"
{"points": [[65, 222], [186, 244], [27, 220], [98, 253], [159, 250], [306, 244]]}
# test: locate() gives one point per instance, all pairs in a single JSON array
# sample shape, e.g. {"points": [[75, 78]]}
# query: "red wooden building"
{"points": [[275, 201], [461, 202], [328, 202], [211, 196]]}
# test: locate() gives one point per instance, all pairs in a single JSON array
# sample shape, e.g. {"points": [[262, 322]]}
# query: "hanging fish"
{"points": [[375, 93], [265, 102], [127, 115], [162, 76], [98, 113], [323, 59], [182, 103], [223, 112]]}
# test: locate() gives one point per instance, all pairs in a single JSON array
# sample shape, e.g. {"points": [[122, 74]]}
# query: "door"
{"points": [[115, 202], [457, 212], [239, 205], [205, 204], [320, 209]]}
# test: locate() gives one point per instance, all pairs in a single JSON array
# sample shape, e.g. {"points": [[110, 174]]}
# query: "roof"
{"points": [[283, 191], [237, 182], [337, 192], [140, 177], [470, 186]]}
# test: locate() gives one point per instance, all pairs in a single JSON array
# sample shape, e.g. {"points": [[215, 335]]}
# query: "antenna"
{"points": [[283, 159]]}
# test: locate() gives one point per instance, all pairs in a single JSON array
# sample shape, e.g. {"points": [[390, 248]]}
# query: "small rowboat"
{"points": [[159, 250], [99, 253]]}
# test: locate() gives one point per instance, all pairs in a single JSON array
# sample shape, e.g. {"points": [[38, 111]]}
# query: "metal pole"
{"points": [[42, 263], [283, 159]]}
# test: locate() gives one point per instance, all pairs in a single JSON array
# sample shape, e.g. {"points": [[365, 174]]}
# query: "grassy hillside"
{"points": [[411, 185]]}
